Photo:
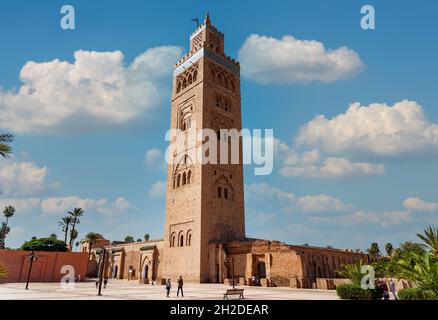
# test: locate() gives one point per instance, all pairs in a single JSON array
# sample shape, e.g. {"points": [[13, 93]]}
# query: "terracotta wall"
{"points": [[47, 268]]}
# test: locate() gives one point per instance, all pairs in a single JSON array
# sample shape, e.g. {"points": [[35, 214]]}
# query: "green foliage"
{"points": [[352, 272], [389, 248], [417, 294], [430, 239], [146, 237], [420, 270], [406, 248], [129, 239], [45, 244], [4, 230], [355, 292], [373, 250], [5, 149]]}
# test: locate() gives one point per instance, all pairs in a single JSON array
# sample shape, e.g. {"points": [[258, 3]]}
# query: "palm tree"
{"points": [[65, 224], [352, 272], [8, 212], [5, 148], [75, 214], [421, 270], [374, 250], [73, 236], [389, 249], [430, 239], [92, 238]]}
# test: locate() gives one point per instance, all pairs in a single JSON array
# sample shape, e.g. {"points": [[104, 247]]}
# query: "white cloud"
{"points": [[61, 205], [290, 203], [418, 204], [96, 91], [21, 205], [374, 130], [22, 178], [322, 203], [312, 164], [155, 158], [158, 189], [361, 217], [120, 206], [266, 191], [288, 60]]}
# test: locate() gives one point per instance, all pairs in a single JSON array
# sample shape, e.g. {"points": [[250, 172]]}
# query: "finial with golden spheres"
{"points": [[207, 18]]}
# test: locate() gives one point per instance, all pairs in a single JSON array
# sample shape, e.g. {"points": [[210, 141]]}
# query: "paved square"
{"points": [[124, 290]]}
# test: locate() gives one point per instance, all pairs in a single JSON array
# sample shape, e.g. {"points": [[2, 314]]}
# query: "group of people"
{"points": [[180, 283], [385, 289]]}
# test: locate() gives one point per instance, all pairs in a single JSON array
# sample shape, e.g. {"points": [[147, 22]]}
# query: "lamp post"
{"points": [[232, 267], [32, 257], [102, 253]]}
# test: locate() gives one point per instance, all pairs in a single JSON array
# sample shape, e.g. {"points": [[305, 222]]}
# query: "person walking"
{"points": [[392, 288], [180, 287], [168, 286], [385, 290], [105, 282]]}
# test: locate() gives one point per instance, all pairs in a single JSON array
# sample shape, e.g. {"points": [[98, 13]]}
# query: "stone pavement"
{"points": [[124, 290]]}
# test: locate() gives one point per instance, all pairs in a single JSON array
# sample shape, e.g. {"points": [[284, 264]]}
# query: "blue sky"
{"points": [[385, 189]]}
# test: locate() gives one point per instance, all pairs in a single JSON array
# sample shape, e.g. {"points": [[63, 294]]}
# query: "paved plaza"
{"points": [[124, 290]]}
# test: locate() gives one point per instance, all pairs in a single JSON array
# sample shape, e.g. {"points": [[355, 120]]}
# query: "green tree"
{"points": [[4, 229], [73, 236], [129, 239], [75, 214], [65, 225], [421, 270], [44, 244], [406, 248], [352, 272], [374, 251], [53, 236], [389, 249], [92, 238], [139, 240], [146, 237], [430, 239], [5, 148], [77, 245], [8, 212]]}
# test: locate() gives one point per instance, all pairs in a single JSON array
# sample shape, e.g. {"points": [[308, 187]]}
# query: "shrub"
{"points": [[355, 292], [45, 244], [417, 294]]}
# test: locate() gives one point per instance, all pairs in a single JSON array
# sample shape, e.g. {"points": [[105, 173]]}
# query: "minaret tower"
{"points": [[205, 202]]}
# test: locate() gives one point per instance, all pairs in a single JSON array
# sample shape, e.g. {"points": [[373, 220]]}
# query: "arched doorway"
{"points": [[115, 270], [146, 272], [261, 269]]}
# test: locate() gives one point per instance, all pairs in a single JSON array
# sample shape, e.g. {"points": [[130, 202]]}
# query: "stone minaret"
{"points": [[205, 203]]}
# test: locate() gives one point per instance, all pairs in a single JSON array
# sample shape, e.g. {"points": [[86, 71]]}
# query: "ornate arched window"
{"points": [[225, 193], [178, 181], [189, 176], [181, 240], [172, 239], [219, 192], [195, 76], [184, 178], [189, 238]]}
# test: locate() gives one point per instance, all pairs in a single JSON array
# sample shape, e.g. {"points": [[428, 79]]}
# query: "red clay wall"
{"points": [[47, 268]]}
